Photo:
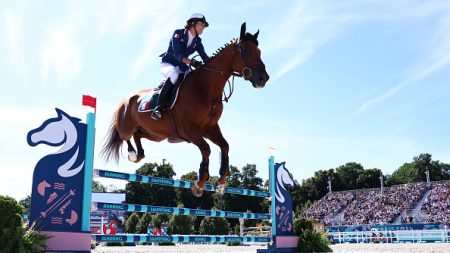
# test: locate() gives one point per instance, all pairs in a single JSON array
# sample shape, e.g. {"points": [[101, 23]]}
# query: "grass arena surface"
{"points": [[339, 248]]}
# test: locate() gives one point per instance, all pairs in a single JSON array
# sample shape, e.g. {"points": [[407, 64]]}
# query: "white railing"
{"points": [[390, 236]]}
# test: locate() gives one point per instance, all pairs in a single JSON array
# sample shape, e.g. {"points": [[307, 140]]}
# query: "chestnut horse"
{"points": [[196, 112]]}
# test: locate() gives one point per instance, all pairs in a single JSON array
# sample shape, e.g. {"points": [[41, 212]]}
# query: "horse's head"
{"points": [[249, 62], [284, 177]]}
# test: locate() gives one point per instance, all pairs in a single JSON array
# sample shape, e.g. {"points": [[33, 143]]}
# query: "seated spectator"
{"points": [[437, 205]]}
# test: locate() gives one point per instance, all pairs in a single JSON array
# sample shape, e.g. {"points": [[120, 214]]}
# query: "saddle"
{"points": [[150, 100]]}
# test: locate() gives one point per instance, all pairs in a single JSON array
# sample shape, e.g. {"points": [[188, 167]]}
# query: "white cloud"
{"points": [[304, 29], [61, 54], [309, 25], [13, 37], [437, 57], [156, 37]]}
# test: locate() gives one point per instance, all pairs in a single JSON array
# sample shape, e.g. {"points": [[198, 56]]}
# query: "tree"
{"points": [[310, 239], [348, 173], [144, 221], [26, 203], [98, 187], [214, 226], [10, 221], [131, 223], [415, 171], [181, 225], [185, 197], [369, 178], [159, 219], [150, 194], [13, 237]]}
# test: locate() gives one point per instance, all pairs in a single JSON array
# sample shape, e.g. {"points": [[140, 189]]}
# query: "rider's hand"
{"points": [[186, 61], [195, 63]]}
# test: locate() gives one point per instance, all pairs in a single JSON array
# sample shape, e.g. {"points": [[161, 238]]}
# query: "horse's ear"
{"points": [[256, 34], [243, 28]]}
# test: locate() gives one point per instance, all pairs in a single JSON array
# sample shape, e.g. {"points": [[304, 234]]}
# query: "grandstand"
{"points": [[407, 203]]}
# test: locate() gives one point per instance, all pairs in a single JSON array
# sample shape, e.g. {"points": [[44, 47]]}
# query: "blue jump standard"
{"points": [[174, 183], [179, 211], [178, 238]]}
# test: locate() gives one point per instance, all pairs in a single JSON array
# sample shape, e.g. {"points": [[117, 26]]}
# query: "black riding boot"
{"points": [[162, 100]]}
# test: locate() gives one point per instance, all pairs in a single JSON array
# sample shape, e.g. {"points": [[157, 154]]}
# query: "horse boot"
{"points": [[163, 99], [224, 172]]}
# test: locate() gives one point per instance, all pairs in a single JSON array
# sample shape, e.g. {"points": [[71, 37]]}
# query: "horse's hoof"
{"points": [[220, 188], [139, 158], [132, 156], [196, 190]]}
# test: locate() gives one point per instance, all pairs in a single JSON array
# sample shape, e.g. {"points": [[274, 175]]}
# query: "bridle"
{"points": [[245, 73]]}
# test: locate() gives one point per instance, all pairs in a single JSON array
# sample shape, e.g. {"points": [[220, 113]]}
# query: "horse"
{"points": [[195, 114]]}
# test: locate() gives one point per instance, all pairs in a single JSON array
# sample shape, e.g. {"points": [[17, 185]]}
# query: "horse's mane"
{"points": [[234, 41]]}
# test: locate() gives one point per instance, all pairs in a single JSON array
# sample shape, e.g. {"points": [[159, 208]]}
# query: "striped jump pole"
{"points": [[179, 238], [173, 183], [178, 211]]}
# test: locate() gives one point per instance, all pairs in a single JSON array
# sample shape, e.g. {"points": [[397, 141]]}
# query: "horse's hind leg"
{"points": [[140, 151], [215, 135], [132, 156], [131, 152]]}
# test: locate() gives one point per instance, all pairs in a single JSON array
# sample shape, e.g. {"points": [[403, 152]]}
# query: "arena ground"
{"points": [[341, 248]]}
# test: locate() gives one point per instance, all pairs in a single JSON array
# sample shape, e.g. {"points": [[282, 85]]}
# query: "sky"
{"points": [[350, 81]]}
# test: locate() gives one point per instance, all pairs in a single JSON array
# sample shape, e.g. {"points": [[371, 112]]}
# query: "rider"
{"points": [[175, 61]]}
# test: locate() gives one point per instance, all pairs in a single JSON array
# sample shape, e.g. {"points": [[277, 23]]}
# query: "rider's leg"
{"points": [[172, 73]]}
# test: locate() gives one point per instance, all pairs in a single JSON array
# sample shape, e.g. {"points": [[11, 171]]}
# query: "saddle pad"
{"points": [[148, 103], [150, 100]]}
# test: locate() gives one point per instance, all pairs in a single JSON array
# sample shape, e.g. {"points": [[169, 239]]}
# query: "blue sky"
{"points": [[363, 81]]}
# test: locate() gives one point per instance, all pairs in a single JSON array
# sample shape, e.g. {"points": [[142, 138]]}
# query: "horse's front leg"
{"points": [[203, 173], [215, 135]]}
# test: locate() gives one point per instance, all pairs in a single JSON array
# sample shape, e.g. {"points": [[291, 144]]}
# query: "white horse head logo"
{"points": [[283, 177], [56, 132]]}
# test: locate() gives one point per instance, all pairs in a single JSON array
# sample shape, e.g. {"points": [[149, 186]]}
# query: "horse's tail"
{"points": [[113, 143]]}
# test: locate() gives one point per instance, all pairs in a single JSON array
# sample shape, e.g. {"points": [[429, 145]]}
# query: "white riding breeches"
{"points": [[170, 71]]}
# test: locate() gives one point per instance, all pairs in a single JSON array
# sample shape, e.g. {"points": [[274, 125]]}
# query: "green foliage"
{"points": [[245, 179], [98, 187], [159, 218], [415, 171], [152, 194], [131, 223], [13, 237], [185, 196], [33, 239], [349, 174], [26, 203], [310, 239], [144, 221], [214, 226], [181, 224], [369, 178]]}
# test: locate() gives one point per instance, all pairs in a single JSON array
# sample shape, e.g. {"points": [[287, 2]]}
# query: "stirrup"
{"points": [[156, 114]]}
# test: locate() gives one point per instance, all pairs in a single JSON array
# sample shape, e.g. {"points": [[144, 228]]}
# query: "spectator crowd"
{"points": [[377, 207], [437, 206]]}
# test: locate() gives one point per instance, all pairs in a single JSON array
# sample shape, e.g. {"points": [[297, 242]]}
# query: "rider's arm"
{"points": [[201, 51]]}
